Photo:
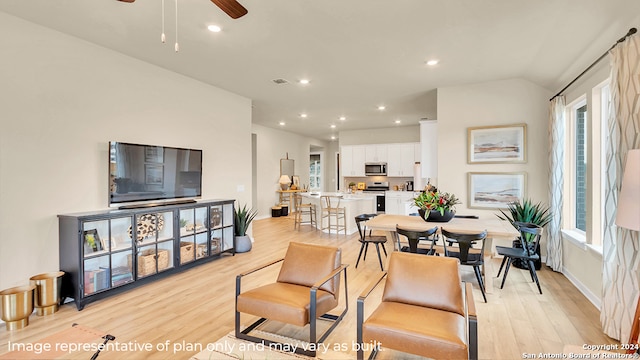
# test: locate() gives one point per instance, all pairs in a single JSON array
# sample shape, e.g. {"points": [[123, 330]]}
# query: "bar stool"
{"points": [[331, 210], [303, 210]]}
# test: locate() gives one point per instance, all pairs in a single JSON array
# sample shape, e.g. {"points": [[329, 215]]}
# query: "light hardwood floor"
{"points": [[197, 306]]}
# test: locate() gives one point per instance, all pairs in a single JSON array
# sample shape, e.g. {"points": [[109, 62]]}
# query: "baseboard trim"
{"points": [[593, 298]]}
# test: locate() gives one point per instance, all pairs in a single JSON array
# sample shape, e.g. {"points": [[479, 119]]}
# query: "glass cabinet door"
{"points": [[106, 247], [193, 234], [154, 243]]}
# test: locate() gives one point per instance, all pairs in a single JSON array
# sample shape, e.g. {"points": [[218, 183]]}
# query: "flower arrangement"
{"points": [[435, 200]]}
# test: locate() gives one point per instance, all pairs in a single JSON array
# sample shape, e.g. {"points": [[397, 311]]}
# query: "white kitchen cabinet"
{"points": [[376, 153], [395, 202], [429, 149], [352, 159], [401, 159]]}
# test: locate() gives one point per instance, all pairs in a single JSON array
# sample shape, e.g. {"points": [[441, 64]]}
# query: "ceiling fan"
{"points": [[230, 7]]}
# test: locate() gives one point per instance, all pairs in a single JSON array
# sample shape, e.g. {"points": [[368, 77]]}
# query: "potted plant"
{"points": [[436, 206], [526, 212], [243, 218]]}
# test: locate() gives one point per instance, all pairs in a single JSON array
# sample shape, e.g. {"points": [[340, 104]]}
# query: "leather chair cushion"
{"points": [[432, 281], [417, 330], [284, 302], [306, 264]]}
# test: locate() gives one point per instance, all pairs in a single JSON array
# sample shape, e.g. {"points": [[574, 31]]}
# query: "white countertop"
{"points": [[345, 197]]}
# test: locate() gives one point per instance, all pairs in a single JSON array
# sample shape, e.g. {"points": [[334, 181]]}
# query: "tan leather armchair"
{"points": [[426, 310], [308, 287]]}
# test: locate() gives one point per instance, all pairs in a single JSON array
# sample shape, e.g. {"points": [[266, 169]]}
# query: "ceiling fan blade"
{"points": [[231, 7], [127, 1]]}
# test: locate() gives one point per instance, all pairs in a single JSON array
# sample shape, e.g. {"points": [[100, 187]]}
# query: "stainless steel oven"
{"points": [[378, 188]]}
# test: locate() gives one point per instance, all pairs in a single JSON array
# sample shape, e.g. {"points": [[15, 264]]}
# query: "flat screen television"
{"points": [[145, 173]]}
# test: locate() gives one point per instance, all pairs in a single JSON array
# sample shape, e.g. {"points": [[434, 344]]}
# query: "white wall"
{"points": [[62, 100], [492, 103], [273, 145], [397, 134]]}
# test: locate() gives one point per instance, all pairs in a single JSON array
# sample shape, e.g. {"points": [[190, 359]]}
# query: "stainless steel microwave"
{"points": [[375, 169]]}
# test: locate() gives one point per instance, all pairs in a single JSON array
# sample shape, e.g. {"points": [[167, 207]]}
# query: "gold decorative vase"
{"points": [[47, 293], [17, 305]]}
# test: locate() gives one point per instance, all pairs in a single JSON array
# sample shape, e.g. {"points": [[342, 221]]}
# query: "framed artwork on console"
{"points": [[495, 190], [497, 144], [92, 241]]}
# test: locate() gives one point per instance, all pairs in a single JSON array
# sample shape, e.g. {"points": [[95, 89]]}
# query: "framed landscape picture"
{"points": [[494, 190], [154, 174], [497, 144]]}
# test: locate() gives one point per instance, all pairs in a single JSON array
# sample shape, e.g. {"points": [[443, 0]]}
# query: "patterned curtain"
{"points": [[621, 255], [556, 181]]}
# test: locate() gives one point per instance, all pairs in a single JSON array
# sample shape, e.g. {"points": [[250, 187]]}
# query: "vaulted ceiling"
{"points": [[357, 54]]}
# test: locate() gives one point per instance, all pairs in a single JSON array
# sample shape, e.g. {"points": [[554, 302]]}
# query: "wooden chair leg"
{"points": [[360, 254], [476, 269], [366, 250], [506, 271], [379, 257], [504, 259], [532, 270]]}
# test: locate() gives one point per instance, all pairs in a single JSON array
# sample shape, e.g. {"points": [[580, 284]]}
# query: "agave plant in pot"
{"points": [[243, 217], [526, 212], [436, 206]]}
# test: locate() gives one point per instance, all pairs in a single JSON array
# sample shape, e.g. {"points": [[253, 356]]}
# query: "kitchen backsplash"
{"points": [[393, 181]]}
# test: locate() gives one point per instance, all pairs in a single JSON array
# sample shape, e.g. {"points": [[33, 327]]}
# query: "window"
{"points": [[580, 164], [586, 129], [315, 172]]}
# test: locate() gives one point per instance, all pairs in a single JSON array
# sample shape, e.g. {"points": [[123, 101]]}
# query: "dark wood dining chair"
{"points": [[530, 235], [469, 248], [414, 237], [367, 238]]}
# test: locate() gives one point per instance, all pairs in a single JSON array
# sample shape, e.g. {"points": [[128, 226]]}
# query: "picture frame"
{"points": [[92, 241], [497, 144], [154, 154], [154, 174], [296, 181], [495, 190]]}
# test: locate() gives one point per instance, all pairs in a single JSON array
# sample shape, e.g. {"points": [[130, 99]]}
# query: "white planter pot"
{"points": [[243, 244]]}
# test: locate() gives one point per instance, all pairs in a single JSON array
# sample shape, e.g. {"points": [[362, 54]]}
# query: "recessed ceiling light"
{"points": [[342, 118], [432, 62], [304, 81], [381, 107], [282, 123], [303, 115], [214, 28], [333, 137], [333, 126], [397, 121]]}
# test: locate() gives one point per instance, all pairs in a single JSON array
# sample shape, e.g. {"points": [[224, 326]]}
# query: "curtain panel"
{"points": [[556, 181], [621, 247]]}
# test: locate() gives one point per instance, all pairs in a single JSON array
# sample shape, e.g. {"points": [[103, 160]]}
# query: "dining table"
{"points": [[496, 228]]}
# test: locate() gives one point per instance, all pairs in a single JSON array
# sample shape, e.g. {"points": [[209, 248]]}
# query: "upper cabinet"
{"points": [[376, 153], [429, 149], [402, 158], [353, 159]]}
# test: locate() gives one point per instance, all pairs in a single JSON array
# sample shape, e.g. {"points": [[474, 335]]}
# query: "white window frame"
{"points": [[321, 175], [597, 118], [569, 211]]}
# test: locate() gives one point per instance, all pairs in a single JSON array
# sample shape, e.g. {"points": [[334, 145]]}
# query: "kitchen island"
{"points": [[354, 204]]}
